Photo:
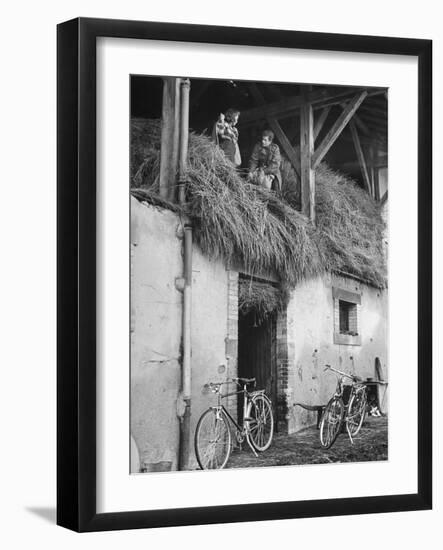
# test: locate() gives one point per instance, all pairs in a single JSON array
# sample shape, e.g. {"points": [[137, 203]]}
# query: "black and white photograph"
{"points": [[258, 274], [221, 299]]}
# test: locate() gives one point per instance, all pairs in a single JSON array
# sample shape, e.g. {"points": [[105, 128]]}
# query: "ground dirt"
{"points": [[304, 447]]}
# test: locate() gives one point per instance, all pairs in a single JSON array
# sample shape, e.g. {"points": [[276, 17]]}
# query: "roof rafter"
{"points": [[318, 98], [360, 156], [338, 127]]}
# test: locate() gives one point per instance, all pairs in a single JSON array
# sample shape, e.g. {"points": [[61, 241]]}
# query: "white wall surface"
{"points": [[156, 313], [311, 330], [27, 218]]}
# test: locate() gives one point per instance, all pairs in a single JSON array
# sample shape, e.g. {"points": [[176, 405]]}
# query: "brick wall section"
{"points": [[232, 338], [285, 365]]}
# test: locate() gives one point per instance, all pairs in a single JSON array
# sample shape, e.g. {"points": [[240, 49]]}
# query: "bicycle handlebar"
{"points": [[215, 386], [351, 377]]}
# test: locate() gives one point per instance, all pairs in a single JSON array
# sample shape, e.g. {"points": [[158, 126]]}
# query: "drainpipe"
{"points": [[185, 420], [185, 86]]}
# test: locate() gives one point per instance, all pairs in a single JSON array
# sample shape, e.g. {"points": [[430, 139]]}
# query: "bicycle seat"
{"points": [[245, 380]]}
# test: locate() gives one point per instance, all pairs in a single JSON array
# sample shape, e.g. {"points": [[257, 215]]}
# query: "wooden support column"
{"points": [[338, 128], [170, 138], [307, 173], [360, 156]]}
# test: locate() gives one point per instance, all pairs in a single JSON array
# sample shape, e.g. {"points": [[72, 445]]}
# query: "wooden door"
{"points": [[257, 353]]}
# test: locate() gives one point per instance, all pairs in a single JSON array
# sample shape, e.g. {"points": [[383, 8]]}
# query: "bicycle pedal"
{"points": [[248, 419]]}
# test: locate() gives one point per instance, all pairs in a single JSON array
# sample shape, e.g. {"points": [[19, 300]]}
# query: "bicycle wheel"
{"points": [[261, 424], [331, 421], [212, 440], [356, 412]]}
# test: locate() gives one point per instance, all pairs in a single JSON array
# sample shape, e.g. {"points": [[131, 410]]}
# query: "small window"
{"points": [[347, 306], [348, 318]]}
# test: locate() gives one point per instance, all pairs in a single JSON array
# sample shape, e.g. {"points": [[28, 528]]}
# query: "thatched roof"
{"points": [[237, 221], [261, 298]]}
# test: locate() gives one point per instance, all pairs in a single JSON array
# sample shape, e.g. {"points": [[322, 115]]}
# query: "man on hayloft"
{"points": [[264, 165]]}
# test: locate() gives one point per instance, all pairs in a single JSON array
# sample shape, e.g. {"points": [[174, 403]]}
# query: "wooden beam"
{"points": [[307, 172], [278, 131], [360, 124], [285, 143], [320, 121], [338, 127], [169, 137], [326, 103], [291, 103], [325, 97], [360, 156]]}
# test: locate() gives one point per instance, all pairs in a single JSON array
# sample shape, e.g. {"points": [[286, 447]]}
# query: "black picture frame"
{"points": [[76, 294]]}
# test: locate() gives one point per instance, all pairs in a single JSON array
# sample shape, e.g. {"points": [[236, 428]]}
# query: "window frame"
{"points": [[342, 295]]}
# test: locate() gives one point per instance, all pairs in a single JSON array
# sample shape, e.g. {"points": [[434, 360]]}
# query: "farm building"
{"points": [[228, 279]]}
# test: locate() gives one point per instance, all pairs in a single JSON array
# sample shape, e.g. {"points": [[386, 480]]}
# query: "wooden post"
{"points": [[307, 173], [360, 156], [170, 137]]}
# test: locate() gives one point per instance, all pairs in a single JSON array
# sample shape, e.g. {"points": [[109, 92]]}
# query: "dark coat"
{"points": [[268, 159]]}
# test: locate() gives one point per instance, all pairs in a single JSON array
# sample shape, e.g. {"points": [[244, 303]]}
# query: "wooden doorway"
{"points": [[257, 353]]}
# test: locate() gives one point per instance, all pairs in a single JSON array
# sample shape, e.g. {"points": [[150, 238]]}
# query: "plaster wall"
{"points": [[209, 332], [156, 333], [305, 338], [310, 329], [156, 312]]}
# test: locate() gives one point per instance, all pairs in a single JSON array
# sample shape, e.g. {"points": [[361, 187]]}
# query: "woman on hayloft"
{"points": [[264, 165], [225, 135]]}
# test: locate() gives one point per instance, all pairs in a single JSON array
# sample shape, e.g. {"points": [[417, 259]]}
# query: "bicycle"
{"points": [[336, 412], [213, 435]]}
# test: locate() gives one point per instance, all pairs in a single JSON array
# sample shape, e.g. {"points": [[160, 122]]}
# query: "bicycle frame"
{"points": [[357, 386], [247, 396]]}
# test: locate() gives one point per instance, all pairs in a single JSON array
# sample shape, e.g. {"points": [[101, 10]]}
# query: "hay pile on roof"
{"points": [[145, 152], [350, 228], [261, 298], [239, 222]]}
